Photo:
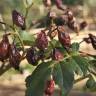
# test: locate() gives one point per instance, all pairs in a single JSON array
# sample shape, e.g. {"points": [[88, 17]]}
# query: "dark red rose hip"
{"points": [[50, 87], [42, 41], [64, 39], [57, 55], [18, 19], [4, 48], [14, 57], [32, 56]]}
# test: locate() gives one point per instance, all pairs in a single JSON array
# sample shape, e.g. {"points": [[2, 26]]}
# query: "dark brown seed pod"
{"points": [[42, 41], [93, 40], [87, 40], [57, 55], [4, 48], [32, 56], [50, 87], [14, 57], [64, 39], [18, 20]]}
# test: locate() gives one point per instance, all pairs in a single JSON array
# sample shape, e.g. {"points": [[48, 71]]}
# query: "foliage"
{"points": [[56, 60]]}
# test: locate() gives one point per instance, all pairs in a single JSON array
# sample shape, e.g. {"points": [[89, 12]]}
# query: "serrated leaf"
{"points": [[62, 74], [36, 82], [74, 66], [82, 62], [64, 77]]}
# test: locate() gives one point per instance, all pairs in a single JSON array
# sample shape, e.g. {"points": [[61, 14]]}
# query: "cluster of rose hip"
{"points": [[37, 52], [9, 51]]}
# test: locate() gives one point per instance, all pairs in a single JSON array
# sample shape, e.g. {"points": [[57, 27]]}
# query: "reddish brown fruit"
{"points": [[14, 57], [50, 87], [57, 55], [64, 39], [4, 48], [32, 56], [18, 19], [42, 41]]}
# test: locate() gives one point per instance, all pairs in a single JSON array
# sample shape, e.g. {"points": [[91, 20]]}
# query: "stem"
{"points": [[16, 34], [10, 26], [3, 26], [82, 78], [81, 42], [27, 10], [4, 69]]}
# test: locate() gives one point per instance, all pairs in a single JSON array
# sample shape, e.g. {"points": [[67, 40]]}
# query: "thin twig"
{"points": [[4, 69], [10, 26]]}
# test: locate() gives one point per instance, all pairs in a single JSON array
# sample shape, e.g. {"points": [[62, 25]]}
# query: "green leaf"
{"points": [[74, 66], [82, 62], [27, 38], [36, 82], [93, 63], [64, 77], [75, 47]]}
